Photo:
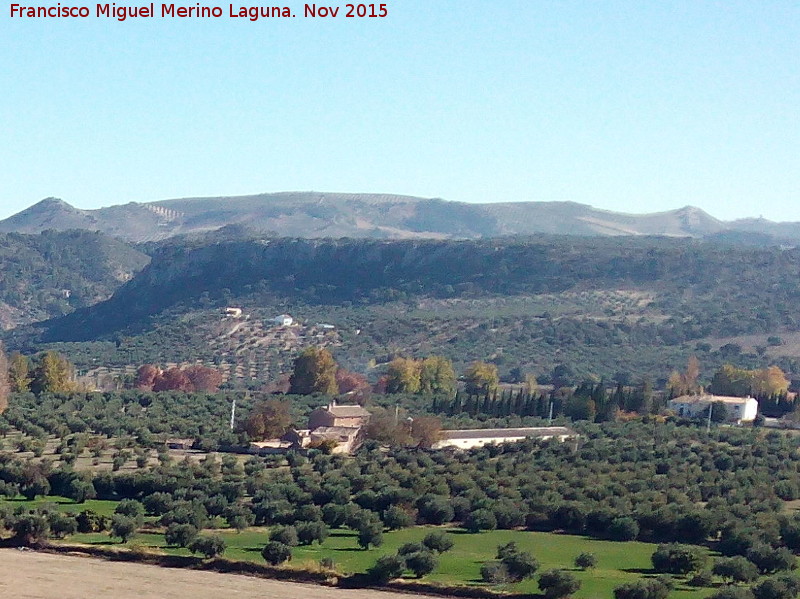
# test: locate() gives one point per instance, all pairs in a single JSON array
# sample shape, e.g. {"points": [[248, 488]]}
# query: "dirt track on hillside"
{"points": [[32, 575]]}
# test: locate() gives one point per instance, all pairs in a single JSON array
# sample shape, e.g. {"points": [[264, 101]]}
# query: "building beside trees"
{"points": [[736, 409], [469, 439], [339, 415]]}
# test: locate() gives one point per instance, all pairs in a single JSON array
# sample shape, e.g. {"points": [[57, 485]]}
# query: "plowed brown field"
{"points": [[32, 575]]}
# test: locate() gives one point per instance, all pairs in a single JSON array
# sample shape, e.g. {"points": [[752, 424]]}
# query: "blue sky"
{"points": [[631, 106]]}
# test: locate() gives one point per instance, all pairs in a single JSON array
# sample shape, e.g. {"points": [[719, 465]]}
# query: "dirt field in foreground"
{"points": [[31, 575]]}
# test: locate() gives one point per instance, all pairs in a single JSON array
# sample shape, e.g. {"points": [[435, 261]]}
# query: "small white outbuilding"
{"points": [[739, 409], [284, 320]]}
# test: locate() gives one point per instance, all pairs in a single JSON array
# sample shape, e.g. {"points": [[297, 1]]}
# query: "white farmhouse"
{"points": [[284, 320], [469, 439], [740, 409]]}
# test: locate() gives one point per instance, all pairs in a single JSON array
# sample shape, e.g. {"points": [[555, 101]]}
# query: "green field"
{"points": [[618, 562], [64, 504]]}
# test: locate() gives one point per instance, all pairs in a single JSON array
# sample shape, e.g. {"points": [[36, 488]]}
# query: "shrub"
{"points": [[409, 548], [308, 532], [678, 559], [438, 541], [421, 563], [396, 518], [556, 584], [494, 573], [287, 535], [643, 589], [370, 534], [586, 560], [732, 592], [276, 553], [210, 546], [387, 567], [123, 526], [737, 569], [327, 563], [623, 529], [701, 579], [180, 535], [480, 519]]}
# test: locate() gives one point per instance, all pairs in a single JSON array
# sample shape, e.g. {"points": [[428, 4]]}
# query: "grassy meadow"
{"points": [[617, 562]]}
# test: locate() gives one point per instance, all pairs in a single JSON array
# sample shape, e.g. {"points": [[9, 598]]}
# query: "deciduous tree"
{"points": [[53, 374], [426, 431], [481, 379], [314, 372], [269, 420], [403, 376], [556, 584], [19, 373], [437, 376], [203, 379], [146, 376], [172, 379]]}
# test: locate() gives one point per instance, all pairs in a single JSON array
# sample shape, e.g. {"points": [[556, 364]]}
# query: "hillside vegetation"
{"points": [[595, 305], [51, 274]]}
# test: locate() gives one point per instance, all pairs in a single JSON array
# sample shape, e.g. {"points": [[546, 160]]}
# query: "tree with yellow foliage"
{"points": [[481, 379], [403, 375], [314, 372], [769, 381], [53, 374], [730, 380], [19, 373], [686, 383], [437, 376]]}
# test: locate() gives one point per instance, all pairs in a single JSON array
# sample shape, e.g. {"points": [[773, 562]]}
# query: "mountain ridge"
{"points": [[386, 216]]}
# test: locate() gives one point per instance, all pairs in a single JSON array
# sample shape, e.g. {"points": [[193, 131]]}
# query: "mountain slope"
{"points": [[596, 304], [312, 214], [53, 273]]}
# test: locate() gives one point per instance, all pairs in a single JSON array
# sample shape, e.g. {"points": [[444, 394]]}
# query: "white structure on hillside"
{"points": [[468, 439], [284, 320], [739, 409]]}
